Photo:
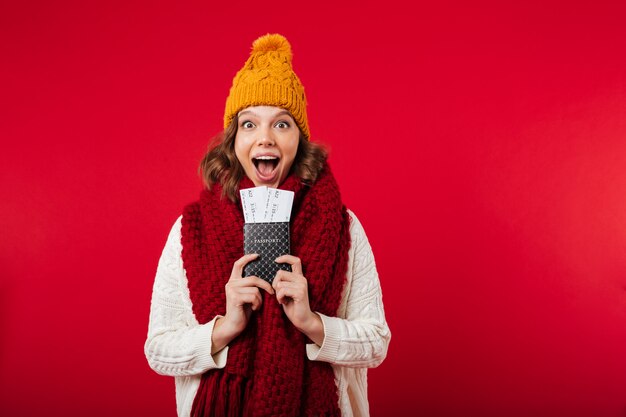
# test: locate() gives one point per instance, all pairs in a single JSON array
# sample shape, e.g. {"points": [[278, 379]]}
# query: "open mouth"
{"points": [[265, 165]]}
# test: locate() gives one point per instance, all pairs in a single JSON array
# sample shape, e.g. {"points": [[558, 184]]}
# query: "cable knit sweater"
{"points": [[357, 339]]}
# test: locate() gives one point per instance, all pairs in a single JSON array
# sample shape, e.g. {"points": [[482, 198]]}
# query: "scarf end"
{"points": [[219, 395]]}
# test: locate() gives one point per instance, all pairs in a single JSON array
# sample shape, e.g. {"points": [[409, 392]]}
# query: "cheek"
{"points": [[290, 154], [241, 151]]}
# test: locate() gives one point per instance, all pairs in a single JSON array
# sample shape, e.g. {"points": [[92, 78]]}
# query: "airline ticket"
{"points": [[266, 205]]}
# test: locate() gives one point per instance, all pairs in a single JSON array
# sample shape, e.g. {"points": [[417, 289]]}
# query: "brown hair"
{"points": [[220, 164]]}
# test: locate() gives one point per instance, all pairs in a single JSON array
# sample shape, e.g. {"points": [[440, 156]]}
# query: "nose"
{"points": [[266, 138]]}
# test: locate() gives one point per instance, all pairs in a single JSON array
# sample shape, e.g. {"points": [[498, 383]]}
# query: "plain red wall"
{"points": [[483, 148]]}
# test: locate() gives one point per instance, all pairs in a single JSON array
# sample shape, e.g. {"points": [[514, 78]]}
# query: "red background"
{"points": [[483, 148]]}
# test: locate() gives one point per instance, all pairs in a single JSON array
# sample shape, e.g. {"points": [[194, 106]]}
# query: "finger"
{"points": [[256, 303], [286, 284], [282, 297], [283, 275], [252, 299], [277, 280], [258, 282], [294, 261], [251, 282], [288, 294], [245, 290], [240, 263], [293, 285]]}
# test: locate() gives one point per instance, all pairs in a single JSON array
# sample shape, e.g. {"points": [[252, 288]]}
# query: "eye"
{"points": [[282, 125], [246, 124]]}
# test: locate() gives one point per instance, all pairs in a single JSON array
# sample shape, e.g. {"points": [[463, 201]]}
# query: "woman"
{"points": [[300, 346]]}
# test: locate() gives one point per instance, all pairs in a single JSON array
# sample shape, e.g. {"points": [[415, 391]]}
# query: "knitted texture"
{"points": [[267, 79], [267, 372]]}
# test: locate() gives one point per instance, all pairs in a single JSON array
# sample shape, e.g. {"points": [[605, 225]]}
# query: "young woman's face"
{"points": [[266, 144]]}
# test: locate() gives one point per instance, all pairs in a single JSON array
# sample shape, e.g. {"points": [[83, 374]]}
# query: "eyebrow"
{"points": [[280, 113]]}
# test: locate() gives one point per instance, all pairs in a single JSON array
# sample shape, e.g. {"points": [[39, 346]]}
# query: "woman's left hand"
{"points": [[292, 292]]}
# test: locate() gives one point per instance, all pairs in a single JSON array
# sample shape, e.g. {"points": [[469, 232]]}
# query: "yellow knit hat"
{"points": [[267, 79]]}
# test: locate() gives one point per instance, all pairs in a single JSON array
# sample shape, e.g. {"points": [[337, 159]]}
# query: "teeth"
{"points": [[266, 157]]}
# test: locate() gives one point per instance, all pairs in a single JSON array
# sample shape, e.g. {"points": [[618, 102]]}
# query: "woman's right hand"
{"points": [[242, 298]]}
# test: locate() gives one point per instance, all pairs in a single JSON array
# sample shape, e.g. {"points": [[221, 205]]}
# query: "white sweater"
{"points": [[178, 346]]}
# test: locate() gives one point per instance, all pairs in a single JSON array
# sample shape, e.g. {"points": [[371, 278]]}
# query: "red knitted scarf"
{"points": [[267, 371]]}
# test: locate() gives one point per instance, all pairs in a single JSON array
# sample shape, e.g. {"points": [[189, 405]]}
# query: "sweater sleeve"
{"points": [[359, 337], [177, 345]]}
